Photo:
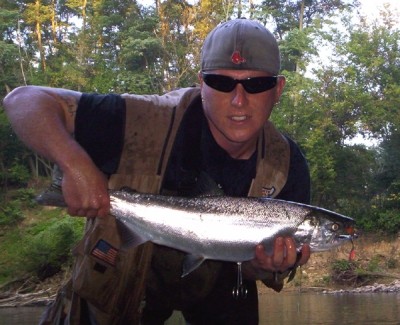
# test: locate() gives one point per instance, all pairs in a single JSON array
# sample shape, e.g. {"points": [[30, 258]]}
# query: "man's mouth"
{"points": [[239, 118]]}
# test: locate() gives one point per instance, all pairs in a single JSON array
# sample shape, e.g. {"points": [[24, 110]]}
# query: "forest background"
{"points": [[343, 83]]}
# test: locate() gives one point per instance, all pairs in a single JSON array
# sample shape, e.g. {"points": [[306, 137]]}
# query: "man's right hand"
{"points": [[85, 192]]}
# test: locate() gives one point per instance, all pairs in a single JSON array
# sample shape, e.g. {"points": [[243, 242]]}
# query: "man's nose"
{"points": [[239, 96]]}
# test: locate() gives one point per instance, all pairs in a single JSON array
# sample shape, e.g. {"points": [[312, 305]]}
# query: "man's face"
{"points": [[236, 117]]}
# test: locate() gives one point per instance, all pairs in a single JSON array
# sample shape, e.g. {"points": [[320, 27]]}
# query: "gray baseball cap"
{"points": [[240, 44]]}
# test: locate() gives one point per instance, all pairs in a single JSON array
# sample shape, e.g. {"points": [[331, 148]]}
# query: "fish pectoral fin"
{"points": [[191, 262], [129, 238]]}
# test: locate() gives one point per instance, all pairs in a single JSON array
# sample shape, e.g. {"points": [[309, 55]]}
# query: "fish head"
{"points": [[324, 230]]}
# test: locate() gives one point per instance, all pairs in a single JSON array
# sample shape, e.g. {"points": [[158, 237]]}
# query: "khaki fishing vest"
{"points": [[146, 148], [115, 293]]}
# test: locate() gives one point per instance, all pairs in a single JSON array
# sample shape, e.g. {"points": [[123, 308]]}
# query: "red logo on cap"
{"points": [[237, 58]]}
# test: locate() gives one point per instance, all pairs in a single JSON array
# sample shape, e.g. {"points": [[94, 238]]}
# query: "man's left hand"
{"points": [[285, 257]]}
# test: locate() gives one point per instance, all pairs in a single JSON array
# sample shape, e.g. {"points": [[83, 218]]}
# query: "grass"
{"points": [[42, 238]]}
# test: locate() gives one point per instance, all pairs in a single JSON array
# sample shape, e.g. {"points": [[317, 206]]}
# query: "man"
{"points": [[215, 138]]}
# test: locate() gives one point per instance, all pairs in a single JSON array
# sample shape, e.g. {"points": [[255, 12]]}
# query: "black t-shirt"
{"points": [[99, 128]]}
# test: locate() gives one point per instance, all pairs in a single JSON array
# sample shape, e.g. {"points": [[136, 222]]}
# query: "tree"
{"points": [[370, 59], [297, 23], [141, 52], [354, 92]]}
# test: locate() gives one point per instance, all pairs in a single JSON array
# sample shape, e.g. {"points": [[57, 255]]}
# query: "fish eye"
{"points": [[335, 227]]}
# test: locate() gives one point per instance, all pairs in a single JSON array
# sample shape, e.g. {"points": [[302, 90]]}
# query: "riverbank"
{"points": [[376, 268]]}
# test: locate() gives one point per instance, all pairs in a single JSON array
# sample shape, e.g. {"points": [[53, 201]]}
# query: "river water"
{"points": [[284, 309]]}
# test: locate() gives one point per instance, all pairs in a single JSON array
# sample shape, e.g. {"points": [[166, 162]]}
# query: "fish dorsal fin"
{"points": [[190, 263], [129, 238]]}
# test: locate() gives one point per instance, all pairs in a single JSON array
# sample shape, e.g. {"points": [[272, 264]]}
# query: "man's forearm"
{"points": [[43, 119]]}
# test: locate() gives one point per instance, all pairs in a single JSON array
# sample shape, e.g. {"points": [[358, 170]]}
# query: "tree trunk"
{"points": [[301, 18], [39, 36]]}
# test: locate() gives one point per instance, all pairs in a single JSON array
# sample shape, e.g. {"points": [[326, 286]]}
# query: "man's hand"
{"points": [[284, 258], [85, 192]]}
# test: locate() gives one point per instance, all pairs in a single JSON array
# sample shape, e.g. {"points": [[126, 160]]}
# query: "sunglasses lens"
{"points": [[219, 82], [258, 84], [251, 85]]}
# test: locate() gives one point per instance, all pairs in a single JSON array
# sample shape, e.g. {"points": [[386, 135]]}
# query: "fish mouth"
{"points": [[348, 237], [332, 242], [340, 239]]}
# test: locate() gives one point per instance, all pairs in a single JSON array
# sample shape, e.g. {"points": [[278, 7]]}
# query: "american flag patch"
{"points": [[105, 252]]}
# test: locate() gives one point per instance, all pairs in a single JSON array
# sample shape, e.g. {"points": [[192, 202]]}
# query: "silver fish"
{"points": [[225, 228], [219, 228]]}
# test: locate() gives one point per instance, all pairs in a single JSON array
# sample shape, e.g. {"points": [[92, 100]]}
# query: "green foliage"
{"points": [[369, 58], [41, 247], [342, 265], [18, 174], [49, 248], [373, 264], [14, 157], [383, 214], [295, 48], [12, 210], [8, 58], [27, 196], [361, 272], [388, 221], [11, 213], [10, 244], [344, 272]]}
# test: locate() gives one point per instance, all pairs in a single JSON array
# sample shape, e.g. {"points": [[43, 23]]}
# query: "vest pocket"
{"points": [[94, 275]]}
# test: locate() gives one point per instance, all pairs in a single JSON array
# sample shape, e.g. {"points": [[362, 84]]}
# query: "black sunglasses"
{"points": [[227, 84]]}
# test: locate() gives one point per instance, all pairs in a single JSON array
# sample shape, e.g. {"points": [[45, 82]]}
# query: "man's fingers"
{"points": [[279, 252], [304, 255], [291, 251], [284, 256]]}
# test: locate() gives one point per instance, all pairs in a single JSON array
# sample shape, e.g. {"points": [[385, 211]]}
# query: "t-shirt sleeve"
{"points": [[297, 187], [99, 129]]}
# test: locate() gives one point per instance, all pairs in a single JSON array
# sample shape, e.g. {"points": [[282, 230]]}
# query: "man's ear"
{"points": [[280, 86]]}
